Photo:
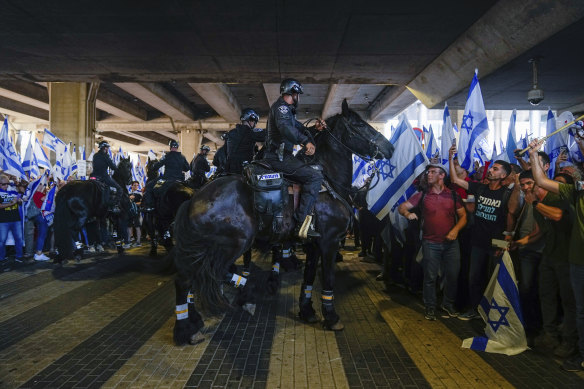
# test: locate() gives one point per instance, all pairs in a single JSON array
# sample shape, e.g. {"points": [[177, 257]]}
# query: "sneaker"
{"points": [[575, 363], [430, 314], [380, 277], [41, 257], [469, 315], [99, 248], [137, 244], [126, 246], [449, 311], [565, 350], [18, 260], [91, 250]]}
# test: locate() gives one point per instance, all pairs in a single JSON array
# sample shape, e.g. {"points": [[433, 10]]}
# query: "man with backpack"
{"points": [[494, 218], [442, 217]]}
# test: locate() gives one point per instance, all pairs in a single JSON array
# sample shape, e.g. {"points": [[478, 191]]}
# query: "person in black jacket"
{"points": [[241, 141], [101, 162], [283, 132], [174, 164], [200, 166]]}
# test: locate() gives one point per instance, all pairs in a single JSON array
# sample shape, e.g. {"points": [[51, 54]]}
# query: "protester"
{"points": [[10, 220]]}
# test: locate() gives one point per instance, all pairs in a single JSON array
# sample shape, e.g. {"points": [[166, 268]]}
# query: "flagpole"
{"points": [[520, 153]]}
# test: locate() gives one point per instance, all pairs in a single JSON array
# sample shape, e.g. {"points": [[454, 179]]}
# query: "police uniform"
{"points": [[240, 146], [174, 165], [101, 162], [283, 132], [199, 166]]}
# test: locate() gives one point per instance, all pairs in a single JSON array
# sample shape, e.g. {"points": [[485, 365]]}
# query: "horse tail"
{"points": [[198, 257], [64, 222]]}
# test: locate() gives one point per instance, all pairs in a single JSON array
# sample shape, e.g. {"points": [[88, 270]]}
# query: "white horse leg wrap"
{"points": [[190, 298], [238, 281], [182, 312], [276, 267]]}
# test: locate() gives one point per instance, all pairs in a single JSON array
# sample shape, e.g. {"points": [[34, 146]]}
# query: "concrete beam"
{"points": [[505, 31], [16, 108], [25, 92], [118, 106], [140, 137], [220, 98], [165, 125], [168, 134], [156, 96], [335, 96], [394, 99], [212, 136], [272, 92]]}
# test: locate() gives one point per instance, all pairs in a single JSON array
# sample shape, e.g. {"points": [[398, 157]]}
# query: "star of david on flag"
{"points": [[501, 311], [397, 174], [474, 124], [447, 137], [554, 144]]}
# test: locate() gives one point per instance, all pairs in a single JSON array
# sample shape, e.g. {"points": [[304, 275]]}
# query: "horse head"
{"points": [[358, 136], [151, 173], [123, 173]]}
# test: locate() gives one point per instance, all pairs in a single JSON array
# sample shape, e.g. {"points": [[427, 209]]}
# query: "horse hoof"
{"points": [[308, 319], [249, 308], [338, 326], [196, 338]]}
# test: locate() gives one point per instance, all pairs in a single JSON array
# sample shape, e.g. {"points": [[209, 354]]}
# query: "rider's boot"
{"points": [[331, 319], [306, 229], [307, 312]]}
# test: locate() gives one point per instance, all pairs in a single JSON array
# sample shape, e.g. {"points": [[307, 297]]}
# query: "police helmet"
{"points": [[289, 86], [249, 114], [103, 144], [173, 144], [205, 148]]}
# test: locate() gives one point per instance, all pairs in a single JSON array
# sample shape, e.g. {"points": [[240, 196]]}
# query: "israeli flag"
{"points": [[41, 157], [475, 127], [9, 159], [554, 144], [48, 207], [50, 140], [574, 150], [361, 171], [432, 148], [501, 311], [511, 143], [32, 188], [29, 163], [151, 155], [448, 137], [396, 175]]}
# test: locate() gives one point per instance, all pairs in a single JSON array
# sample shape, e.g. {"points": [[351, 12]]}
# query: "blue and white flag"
{"points": [[448, 137], [396, 174], [575, 152], [41, 158], [9, 159], [32, 188], [50, 140], [554, 144], [151, 155], [48, 207], [29, 163], [511, 142], [501, 311], [474, 127], [362, 170], [432, 149]]}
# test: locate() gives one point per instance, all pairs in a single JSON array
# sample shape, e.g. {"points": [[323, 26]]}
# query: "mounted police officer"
{"points": [[241, 141], [200, 166], [284, 131], [101, 162], [174, 164]]}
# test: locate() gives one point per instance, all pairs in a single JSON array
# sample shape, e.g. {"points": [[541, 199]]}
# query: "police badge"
{"points": [[283, 109]]}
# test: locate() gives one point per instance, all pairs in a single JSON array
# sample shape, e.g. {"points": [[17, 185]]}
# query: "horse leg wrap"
{"points": [[307, 312], [238, 281], [328, 308], [276, 267], [245, 272], [78, 245], [182, 311]]}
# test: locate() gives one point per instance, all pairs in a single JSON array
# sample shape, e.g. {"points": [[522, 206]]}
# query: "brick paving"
{"points": [[104, 324]]}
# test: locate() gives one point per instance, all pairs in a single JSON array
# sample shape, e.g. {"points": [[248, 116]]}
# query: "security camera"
{"points": [[535, 96]]}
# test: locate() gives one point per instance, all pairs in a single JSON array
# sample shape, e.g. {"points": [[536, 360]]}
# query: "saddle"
{"points": [[111, 197]]}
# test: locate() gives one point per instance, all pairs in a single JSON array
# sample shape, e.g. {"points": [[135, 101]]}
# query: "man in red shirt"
{"points": [[443, 216]]}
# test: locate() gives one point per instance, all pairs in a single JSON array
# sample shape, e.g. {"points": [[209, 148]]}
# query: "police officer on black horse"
{"points": [[101, 162], [284, 131], [200, 166], [241, 141]]}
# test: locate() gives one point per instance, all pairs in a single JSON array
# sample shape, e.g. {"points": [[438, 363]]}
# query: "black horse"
{"points": [[166, 206], [218, 225], [81, 202]]}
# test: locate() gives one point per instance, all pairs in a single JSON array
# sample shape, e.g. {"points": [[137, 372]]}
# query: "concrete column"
{"points": [[456, 116], [72, 112], [190, 142], [422, 115], [535, 124]]}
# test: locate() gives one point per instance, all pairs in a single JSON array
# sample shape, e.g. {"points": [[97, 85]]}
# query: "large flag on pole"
{"points": [[29, 163], [556, 143], [432, 148], [48, 207], [474, 127], [9, 159], [41, 157], [511, 142], [50, 140], [448, 137], [396, 174], [501, 311]]}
